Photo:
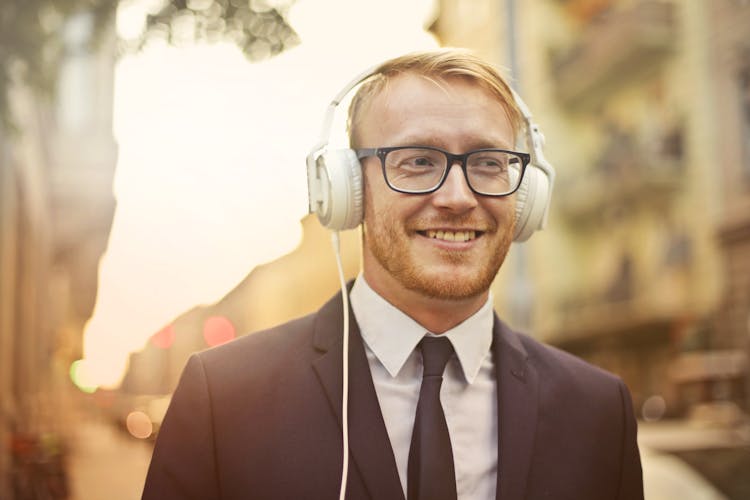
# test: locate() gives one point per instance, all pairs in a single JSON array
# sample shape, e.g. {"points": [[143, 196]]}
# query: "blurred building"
{"points": [[644, 267], [56, 207], [730, 67], [289, 287]]}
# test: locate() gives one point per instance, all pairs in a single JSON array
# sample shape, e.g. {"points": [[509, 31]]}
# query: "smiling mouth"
{"points": [[460, 236]]}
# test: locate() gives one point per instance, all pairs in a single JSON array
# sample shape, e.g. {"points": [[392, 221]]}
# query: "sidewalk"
{"points": [[106, 463], [680, 435], [666, 476]]}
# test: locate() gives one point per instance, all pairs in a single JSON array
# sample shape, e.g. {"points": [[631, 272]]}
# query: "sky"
{"points": [[210, 179]]}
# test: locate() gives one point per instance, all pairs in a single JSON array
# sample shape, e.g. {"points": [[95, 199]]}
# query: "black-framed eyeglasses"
{"points": [[423, 169]]}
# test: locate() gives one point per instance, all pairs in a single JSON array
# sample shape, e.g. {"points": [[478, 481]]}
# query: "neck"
{"points": [[437, 315]]}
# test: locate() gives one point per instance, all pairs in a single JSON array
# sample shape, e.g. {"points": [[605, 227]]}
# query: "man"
{"points": [[261, 417]]}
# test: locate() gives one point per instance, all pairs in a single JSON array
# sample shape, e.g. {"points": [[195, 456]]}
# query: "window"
{"points": [[744, 101]]}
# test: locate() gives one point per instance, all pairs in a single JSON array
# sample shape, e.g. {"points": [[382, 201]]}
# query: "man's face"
{"points": [[415, 242]]}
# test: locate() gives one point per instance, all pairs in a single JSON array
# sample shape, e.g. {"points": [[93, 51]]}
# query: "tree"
{"points": [[256, 26], [31, 46]]}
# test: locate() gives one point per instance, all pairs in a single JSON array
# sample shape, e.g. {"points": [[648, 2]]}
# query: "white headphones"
{"points": [[334, 177]]}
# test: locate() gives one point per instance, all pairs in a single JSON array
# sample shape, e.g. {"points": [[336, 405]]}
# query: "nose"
{"points": [[455, 194]]}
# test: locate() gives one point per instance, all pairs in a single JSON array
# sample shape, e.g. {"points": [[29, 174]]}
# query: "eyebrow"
{"points": [[436, 142]]}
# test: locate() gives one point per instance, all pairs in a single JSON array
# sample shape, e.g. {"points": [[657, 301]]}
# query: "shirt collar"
{"points": [[392, 335]]}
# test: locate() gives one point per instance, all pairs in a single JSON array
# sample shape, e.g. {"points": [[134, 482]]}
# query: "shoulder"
{"points": [[579, 408], [282, 350], [553, 359], [245, 368], [269, 342], [259, 353], [314, 331], [562, 371]]}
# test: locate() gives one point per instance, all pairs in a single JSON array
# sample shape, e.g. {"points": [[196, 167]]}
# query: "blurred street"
{"points": [[107, 463], [666, 477], [685, 460]]}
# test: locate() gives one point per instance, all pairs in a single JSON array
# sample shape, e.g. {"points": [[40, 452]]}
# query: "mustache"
{"points": [[462, 221]]}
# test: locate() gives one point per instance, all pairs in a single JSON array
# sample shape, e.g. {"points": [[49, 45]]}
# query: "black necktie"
{"points": [[431, 474]]}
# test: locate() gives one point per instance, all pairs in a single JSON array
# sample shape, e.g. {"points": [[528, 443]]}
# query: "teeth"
{"points": [[452, 235]]}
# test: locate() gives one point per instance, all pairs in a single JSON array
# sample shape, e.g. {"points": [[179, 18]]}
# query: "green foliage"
{"points": [[31, 45], [30, 40], [257, 27]]}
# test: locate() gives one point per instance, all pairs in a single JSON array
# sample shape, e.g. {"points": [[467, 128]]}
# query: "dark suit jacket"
{"points": [[259, 418]]}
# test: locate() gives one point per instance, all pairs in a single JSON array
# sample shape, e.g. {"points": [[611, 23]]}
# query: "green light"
{"points": [[78, 376]]}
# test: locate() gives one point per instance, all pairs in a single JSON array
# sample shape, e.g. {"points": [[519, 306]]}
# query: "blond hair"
{"points": [[439, 64]]}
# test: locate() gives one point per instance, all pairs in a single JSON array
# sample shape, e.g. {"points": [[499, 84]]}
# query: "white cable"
{"points": [[345, 367]]}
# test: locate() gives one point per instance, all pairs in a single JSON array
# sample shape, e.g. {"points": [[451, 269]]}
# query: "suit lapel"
{"points": [[369, 445], [517, 393]]}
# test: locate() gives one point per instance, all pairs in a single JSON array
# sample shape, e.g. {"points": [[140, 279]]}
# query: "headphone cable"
{"points": [[345, 367]]}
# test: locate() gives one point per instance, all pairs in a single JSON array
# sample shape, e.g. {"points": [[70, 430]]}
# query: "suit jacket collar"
{"points": [[370, 449], [517, 404]]}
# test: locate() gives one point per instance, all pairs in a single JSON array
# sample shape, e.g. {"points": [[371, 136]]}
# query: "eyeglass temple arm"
{"points": [[365, 152]]}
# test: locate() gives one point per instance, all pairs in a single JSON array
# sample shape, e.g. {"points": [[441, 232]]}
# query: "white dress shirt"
{"points": [[468, 393]]}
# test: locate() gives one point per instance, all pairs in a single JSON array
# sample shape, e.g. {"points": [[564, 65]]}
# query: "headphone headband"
{"points": [[325, 129]]}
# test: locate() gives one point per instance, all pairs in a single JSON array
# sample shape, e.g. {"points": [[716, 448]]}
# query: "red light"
{"points": [[218, 330], [139, 425], [164, 338]]}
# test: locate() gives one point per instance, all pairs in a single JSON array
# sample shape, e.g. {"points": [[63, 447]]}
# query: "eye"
{"points": [[489, 163], [418, 163], [414, 161]]}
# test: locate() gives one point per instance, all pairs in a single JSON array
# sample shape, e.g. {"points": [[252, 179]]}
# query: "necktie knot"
{"points": [[436, 351]]}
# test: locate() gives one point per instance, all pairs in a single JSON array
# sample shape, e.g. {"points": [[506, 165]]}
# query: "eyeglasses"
{"points": [[423, 169]]}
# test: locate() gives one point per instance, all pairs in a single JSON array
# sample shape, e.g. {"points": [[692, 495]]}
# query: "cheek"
{"points": [[382, 204], [503, 210], [372, 192]]}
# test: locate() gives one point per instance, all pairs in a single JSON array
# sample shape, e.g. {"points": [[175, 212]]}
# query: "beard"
{"points": [[444, 274]]}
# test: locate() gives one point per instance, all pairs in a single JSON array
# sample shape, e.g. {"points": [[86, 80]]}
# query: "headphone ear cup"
{"points": [[531, 203], [342, 203]]}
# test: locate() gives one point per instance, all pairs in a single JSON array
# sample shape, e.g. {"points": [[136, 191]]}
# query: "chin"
{"points": [[449, 285]]}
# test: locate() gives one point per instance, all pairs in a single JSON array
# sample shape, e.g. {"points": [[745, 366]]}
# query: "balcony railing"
{"points": [[593, 196], [614, 48], [630, 170]]}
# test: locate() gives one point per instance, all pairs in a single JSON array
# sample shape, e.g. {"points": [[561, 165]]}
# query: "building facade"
{"points": [[56, 207], [730, 67], [644, 235]]}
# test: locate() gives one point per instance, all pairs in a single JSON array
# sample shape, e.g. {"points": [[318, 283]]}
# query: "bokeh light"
{"points": [[164, 338], [218, 330], [81, 377], [139, 425], [654, 408]]}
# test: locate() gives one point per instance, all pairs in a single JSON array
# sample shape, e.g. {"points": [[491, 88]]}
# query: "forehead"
{"points": [[454, 112]]}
